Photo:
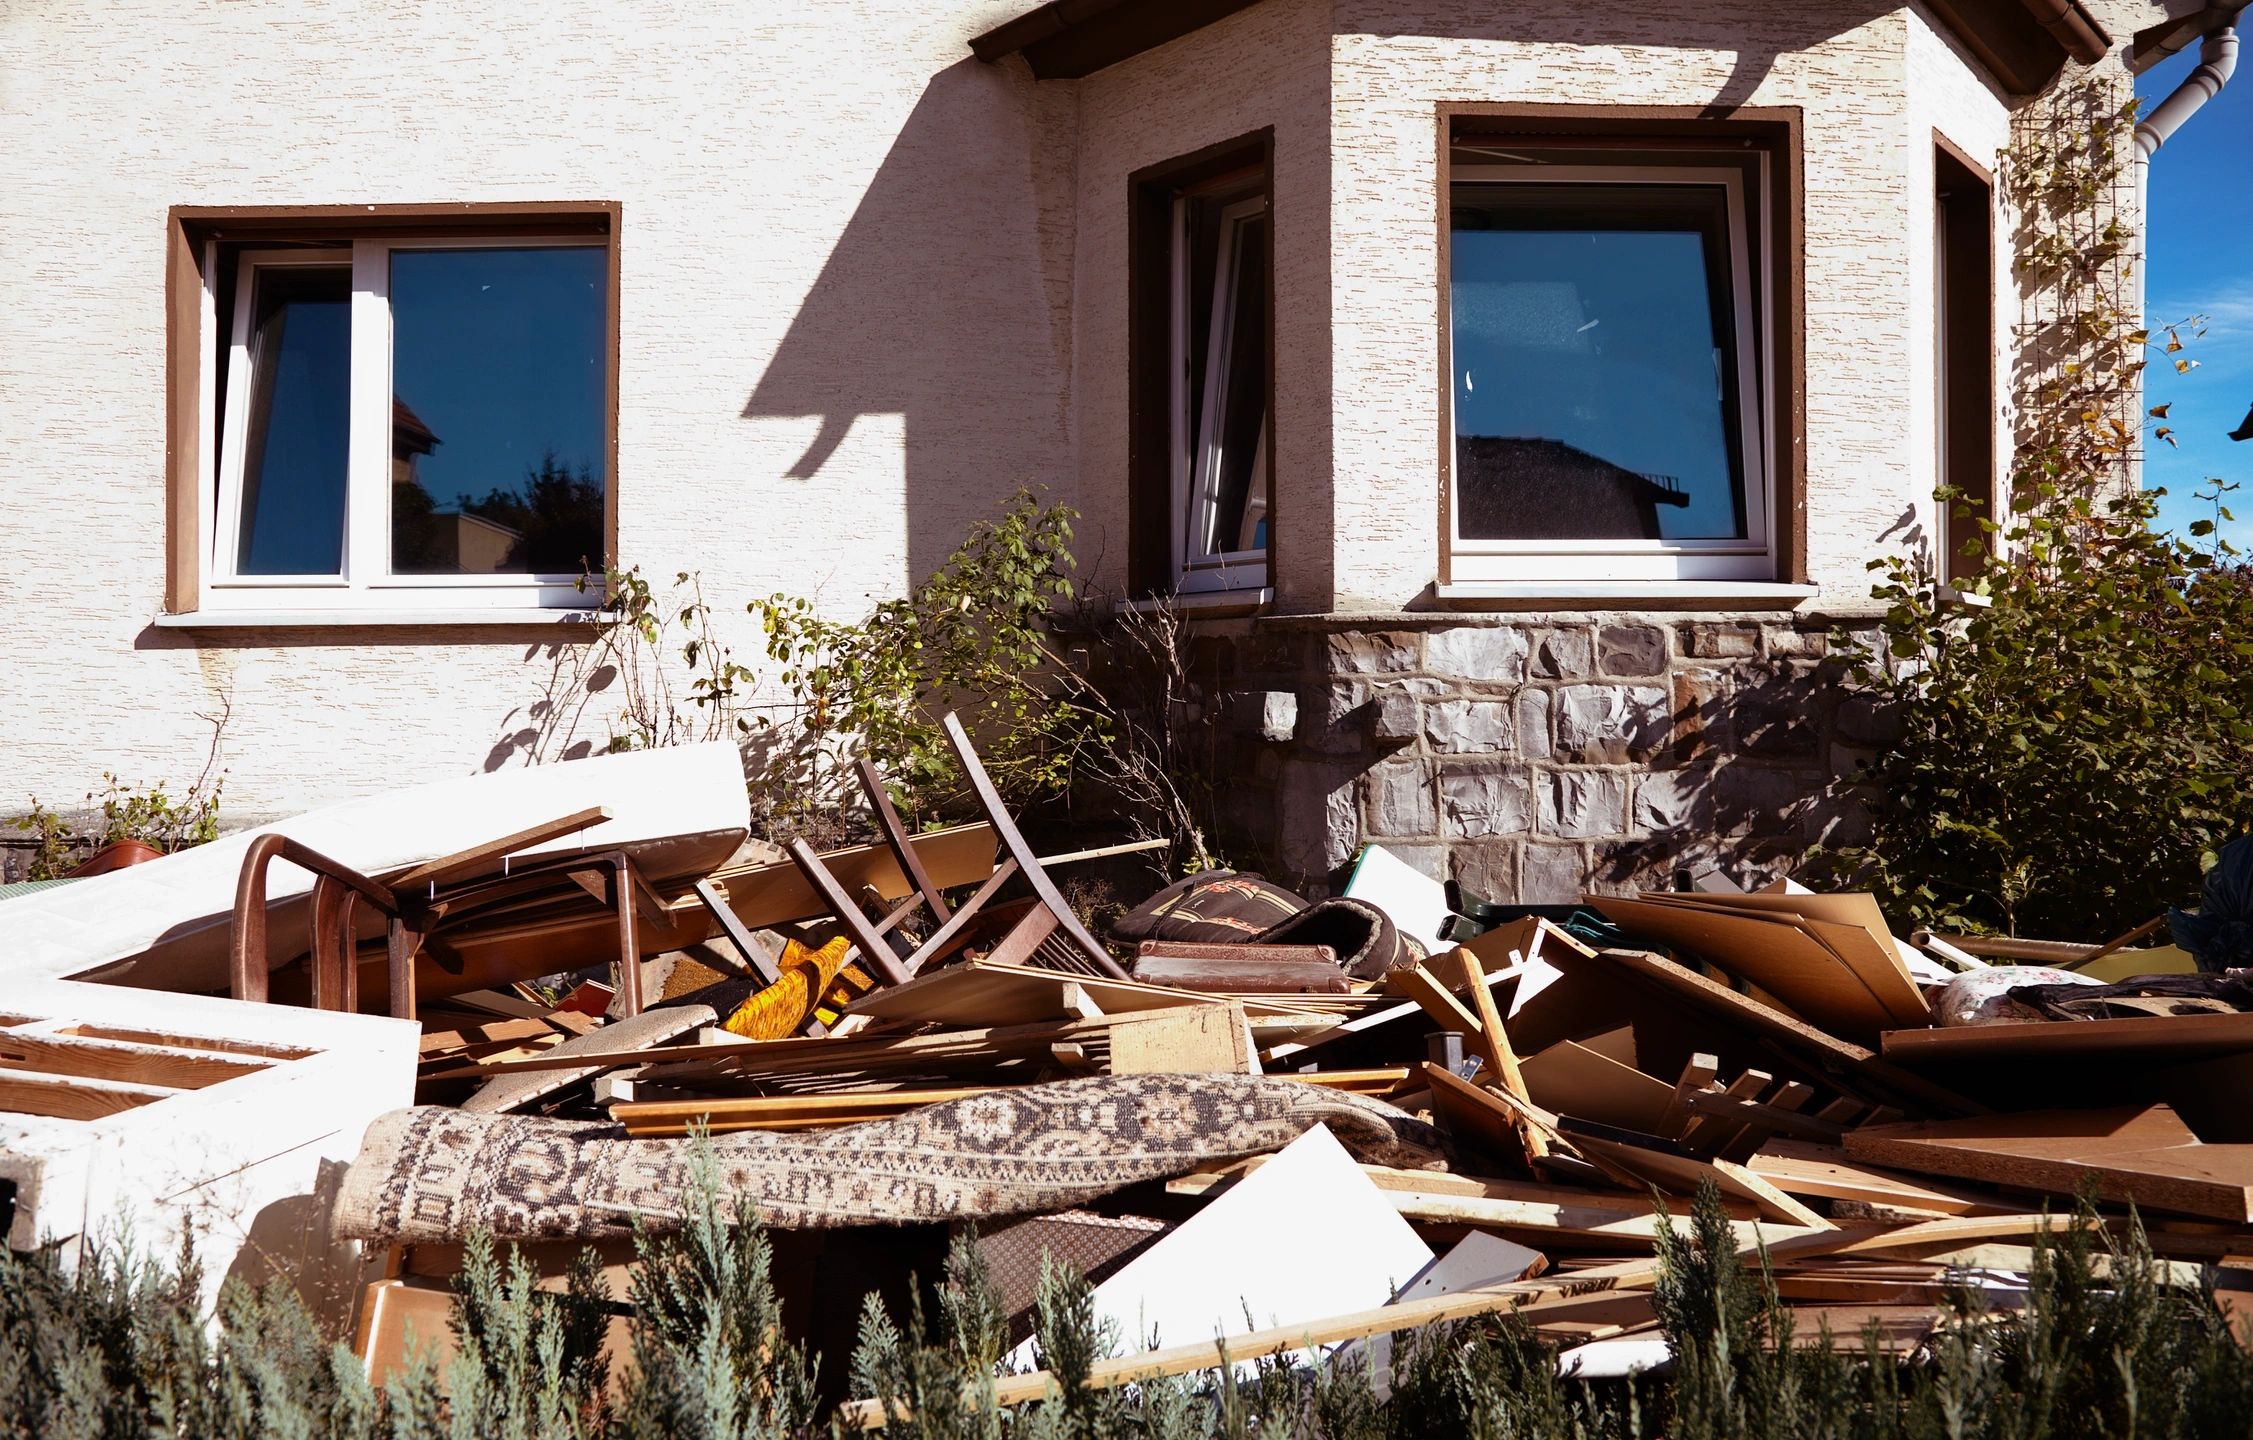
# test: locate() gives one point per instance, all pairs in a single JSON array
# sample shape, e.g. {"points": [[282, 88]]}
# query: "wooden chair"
{"points": [[1047, 934]]}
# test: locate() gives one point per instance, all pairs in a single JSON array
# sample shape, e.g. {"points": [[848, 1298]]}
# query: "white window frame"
{"points": [[366, 583], [1196, 477], [1553, 561]]}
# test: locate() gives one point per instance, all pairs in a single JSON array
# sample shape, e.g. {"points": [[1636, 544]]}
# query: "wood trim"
{"points": [[1150, 195], [1964, 344], [1775, 130], [189, 227]]}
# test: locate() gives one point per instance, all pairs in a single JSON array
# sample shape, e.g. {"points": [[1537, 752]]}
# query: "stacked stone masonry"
{"points": [[1533, 759]]}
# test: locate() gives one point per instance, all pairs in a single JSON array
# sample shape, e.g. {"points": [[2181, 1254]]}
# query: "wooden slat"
{"points": [[128, 1064], [487, 856], [77, 1098]]}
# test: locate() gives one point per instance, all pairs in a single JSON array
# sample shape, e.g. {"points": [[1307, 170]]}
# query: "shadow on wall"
{"points": [[946, 301]]}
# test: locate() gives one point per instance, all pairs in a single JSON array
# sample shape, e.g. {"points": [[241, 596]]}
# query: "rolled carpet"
{"points": [[431, 1174]]}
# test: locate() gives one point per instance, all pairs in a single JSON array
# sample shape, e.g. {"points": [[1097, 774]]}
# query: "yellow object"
{"points": [[2122, 964], [776, 1012]]}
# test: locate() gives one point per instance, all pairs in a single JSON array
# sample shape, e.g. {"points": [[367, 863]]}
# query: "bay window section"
{"points": [[408, 423], [1609, 409]]}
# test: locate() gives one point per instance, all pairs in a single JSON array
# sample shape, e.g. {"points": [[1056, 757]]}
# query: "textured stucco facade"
{"points": [[869, 286]]}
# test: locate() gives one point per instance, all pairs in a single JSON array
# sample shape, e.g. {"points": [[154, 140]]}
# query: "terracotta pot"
{"points": [[116, 856]]}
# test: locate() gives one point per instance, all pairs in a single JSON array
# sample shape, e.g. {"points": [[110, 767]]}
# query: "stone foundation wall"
{"points": [[1536, 757]]}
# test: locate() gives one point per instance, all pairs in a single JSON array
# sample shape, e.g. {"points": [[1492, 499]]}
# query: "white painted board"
{"points": [[1302, 1238], [1476, 1260], [1414, 902]]}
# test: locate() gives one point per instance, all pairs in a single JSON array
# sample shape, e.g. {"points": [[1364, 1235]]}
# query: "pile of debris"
{"points": [[1257, 1124]]}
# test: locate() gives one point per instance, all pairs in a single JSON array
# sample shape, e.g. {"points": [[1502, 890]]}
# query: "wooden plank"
{"points": [[478, 858], [1494, 1042], [1241, 969], [77, 1098], [1652, 1161], [1705, 1133], [2147, 1156], [1824, 1172], [978, 992], [111, 1060], [436, 1044], [1570, 1078], [2155, 1037], [1423, 988]]}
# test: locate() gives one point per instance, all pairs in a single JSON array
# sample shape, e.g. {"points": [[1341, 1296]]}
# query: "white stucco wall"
{"points": [[829, 210]]}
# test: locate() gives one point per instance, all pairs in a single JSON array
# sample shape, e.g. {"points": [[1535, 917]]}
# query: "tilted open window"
{"points": [[1202, 374], [1611, 350], [401, 420]]}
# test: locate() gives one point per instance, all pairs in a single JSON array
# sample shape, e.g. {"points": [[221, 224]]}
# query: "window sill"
{"points": [[279, 619], [1732, 593], [1204, 602]]}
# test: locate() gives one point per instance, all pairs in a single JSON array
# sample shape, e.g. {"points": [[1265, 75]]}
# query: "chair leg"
{"points": [[873, 947], [896, 840], [997, 815]]}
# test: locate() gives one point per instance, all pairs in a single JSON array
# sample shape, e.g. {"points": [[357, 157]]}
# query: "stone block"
{"points": [[1426, 859], [1776, 710], [1486, 868], [1563, 654], [1533, 724], [1477, 654], [1701, 712], [1677, 801], [1720, 639], [1396, 719], [1631, 650], [1479, 800], [1798, 643], [1552, 874], [1596, 723], [1272, 715], [1374, 652], [1469, 727], [1319, 829], [1401, 800], [1751, 796], [1583, 804], [1864, 719], [1334, 718]]}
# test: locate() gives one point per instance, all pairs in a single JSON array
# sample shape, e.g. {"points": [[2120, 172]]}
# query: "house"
{"points": [[1513, 391]]}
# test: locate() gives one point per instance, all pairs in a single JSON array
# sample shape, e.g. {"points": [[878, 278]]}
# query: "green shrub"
{"points": [[119, 811], [2072, 754]]}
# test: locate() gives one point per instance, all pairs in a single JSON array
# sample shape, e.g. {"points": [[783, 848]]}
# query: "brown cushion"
{"points": [[1212, 907]]}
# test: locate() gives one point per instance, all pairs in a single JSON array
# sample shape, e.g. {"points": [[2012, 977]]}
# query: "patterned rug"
{"points": [[431, 1174]]}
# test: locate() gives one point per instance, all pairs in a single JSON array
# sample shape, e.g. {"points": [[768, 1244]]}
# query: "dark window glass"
{"points": [[1226, 515], [1595, 363], [294, 450], [498, 414]]}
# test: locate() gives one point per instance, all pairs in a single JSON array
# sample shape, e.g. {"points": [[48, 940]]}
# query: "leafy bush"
{"points": [[119, 811], [972, 638], [2073, 752]]}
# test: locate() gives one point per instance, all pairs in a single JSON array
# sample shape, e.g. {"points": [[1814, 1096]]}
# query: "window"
{"points": [[1201, 379], [404, 420], [1611, 352], [1963, 291]]}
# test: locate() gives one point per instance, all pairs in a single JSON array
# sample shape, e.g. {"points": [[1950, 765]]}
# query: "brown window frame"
{"points": [[1964, 353], [1151, 192], [1655, 134], [189, 231]]}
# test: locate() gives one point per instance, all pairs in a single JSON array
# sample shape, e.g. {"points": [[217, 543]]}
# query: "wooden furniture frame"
{"points": [[1048, 934]]}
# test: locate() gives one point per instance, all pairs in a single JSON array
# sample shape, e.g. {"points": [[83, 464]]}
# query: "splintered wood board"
{"points": [[1626, 1157], [776, 893], [1781, 956], [979, 992], [1798, 1167], [2145, 1155]]}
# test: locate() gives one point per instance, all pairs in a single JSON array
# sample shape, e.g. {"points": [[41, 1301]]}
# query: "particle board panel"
{"points": [[2170, 1038], [1778, 955], [2144, 1155], [1654, 1163], [1573, 1079]]}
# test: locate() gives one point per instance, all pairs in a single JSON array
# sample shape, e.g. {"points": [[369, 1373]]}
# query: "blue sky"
{"points": [[2200, 261]]}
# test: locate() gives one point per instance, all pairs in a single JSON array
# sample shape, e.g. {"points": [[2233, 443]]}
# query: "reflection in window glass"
{"points": [[498, 410], [294, 450], [1228, 509], [1595, 371]]}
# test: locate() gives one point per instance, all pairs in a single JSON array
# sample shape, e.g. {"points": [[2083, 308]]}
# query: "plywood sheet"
{"points": [[1779, 956]]}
